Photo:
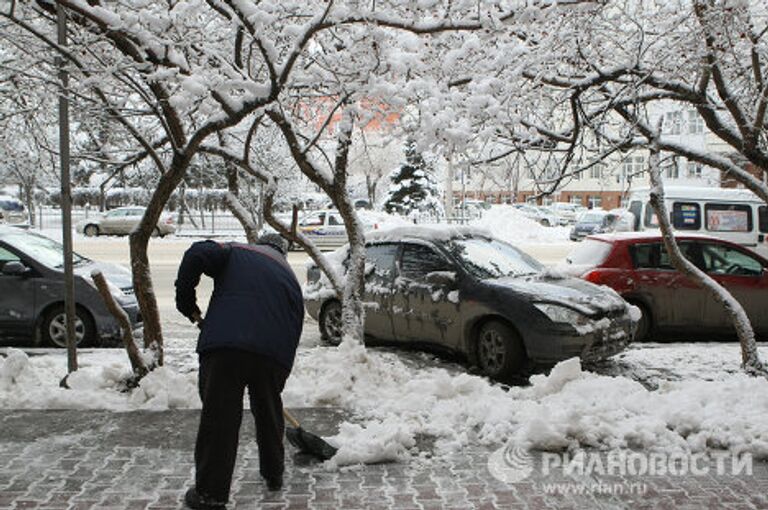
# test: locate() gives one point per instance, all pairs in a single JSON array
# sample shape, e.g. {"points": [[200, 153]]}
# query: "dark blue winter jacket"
{"points": [[256, 305]]}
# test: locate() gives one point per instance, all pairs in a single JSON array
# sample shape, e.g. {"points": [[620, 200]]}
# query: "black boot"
{"points": [[274, 484], [197, 501]]}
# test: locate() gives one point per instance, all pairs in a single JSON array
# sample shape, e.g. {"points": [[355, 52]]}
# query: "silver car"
{"points": [[122, 221]]}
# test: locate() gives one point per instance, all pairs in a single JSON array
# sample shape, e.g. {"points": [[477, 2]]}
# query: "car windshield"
{"points": [[45, 251], [489, 258], [11, 205]]}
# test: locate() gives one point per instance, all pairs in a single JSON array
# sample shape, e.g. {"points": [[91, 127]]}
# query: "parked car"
{"points": [[636, 265], [32, 293], [567, 212], [11, 210], [537, 214], [599, 221], [122, 221], [735, 215], [462, 291], [326, 227]]}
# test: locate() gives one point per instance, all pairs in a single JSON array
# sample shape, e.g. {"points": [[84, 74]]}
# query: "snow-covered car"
{"points": [[32, 293], [461, 290], [537, 214], [599, 221], [11, 210], [122, 221], [567, 212]]}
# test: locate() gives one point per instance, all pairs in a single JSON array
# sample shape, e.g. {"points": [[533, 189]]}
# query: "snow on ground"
{"points": [[512, 226], [698, 399], [568, 408]]}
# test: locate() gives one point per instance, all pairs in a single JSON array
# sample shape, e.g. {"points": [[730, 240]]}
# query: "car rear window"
{"points": [[728, 217], [686, 216], [590, 252]]}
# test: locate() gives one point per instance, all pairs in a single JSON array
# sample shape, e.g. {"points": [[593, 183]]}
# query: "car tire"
{"points": [[645, 325], [500, 350], [91, 230], [53, 328], [544, 223], [331, 323]]}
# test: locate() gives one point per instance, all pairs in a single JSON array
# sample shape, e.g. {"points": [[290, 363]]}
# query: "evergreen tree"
{"points": [[413, 188]]}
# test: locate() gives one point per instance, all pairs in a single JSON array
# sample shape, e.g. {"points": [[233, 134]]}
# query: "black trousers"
{"points": [[224, 375]]}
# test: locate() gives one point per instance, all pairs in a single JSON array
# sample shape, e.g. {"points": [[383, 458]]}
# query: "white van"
{"points": [[736, 215]]}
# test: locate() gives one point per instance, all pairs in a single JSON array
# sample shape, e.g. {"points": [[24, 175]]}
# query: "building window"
{"points": [[695, 123], [631, 168], [575, 199], [671, 170], [674, 122], [595, 201], [596, 171], [694, 170]]}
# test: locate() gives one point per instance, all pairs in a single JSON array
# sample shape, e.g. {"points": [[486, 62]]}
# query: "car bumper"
{"points": [[602, 340]]}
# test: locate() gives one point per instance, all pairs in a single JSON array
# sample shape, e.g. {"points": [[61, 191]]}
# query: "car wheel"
{"points": [[644, 326], [53, 329], [500, 350], [91, 230], [331, 323], [544, 223]]}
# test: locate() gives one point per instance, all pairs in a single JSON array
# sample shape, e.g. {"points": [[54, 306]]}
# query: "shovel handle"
{"points": [[293, 421]]}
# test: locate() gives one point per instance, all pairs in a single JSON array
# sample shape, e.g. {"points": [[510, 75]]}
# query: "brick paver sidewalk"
{"points": [[102, 460]]}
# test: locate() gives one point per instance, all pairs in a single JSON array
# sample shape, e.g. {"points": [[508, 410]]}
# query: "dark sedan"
{"points": [[32, 293], [464, 291]]}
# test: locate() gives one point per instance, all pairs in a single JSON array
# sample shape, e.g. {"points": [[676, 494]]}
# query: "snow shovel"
{"points": [[307, 442]]}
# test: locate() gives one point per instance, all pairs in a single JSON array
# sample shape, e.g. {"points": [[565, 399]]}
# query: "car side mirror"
{"points": [[441, 278], [15, 268]]}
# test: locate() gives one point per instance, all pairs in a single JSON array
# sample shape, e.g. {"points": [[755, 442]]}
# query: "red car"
{"points": [[637, 266]]}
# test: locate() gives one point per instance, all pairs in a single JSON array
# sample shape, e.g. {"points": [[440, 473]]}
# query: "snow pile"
{"points": [[512, 226], [568, 408], [394, 400], [33, 383]]}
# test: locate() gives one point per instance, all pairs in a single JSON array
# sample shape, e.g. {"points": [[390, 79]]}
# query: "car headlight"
{"points": [[557, 313], [116, 291]]}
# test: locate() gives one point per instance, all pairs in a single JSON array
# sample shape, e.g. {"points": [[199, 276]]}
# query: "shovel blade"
{"points": [[309, 443]]}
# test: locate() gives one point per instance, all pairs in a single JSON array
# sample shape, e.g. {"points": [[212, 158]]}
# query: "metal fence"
{"points": [[195, 223], [208, 223]]}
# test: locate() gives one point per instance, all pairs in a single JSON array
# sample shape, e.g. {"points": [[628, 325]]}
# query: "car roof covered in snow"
{"points": [[440, 233]]}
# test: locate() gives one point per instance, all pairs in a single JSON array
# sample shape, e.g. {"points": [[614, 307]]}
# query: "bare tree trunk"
{"points": [[234, 204], [749, 356], [134, 356], [139, 242], [353, 311]]}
